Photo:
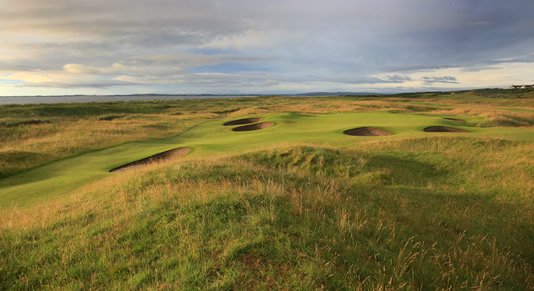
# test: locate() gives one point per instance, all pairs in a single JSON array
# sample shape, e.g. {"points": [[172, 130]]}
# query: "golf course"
{"points": [[410, 191], [212, 139]]}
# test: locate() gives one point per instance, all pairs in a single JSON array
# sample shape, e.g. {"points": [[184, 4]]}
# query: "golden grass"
{"points": [[121, 198], [69, 137], [437, 229], [65, 137]]}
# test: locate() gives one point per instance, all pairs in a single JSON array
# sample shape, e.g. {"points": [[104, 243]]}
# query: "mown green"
{"points": [[408, 215], [212, 138], [299, 205]]}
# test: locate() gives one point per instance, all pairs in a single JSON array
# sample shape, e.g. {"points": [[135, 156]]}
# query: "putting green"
{"points": [[213, 139]]}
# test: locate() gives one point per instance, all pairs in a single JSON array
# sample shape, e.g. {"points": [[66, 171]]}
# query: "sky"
{"points": [[65, 47]]}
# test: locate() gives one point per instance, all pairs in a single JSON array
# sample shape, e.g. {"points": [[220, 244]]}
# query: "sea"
{"points": [[4, 100]]}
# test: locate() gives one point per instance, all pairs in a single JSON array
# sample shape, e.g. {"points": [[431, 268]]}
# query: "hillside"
{"points": [[296, 205]]}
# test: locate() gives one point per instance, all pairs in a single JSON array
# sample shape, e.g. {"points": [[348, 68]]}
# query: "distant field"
{"points": [[297, 204]]}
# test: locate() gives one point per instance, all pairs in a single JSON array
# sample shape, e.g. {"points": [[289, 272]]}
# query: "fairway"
{"points": [[217, 139], [342, 192], [266, 145]]}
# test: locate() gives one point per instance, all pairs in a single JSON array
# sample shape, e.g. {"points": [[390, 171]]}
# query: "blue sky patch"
{"points": [[11, 82]]}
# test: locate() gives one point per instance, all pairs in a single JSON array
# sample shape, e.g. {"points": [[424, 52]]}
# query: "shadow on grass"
{"points": [[18, 158], [404, 171]]}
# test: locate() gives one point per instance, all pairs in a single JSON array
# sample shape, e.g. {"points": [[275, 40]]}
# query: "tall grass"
{"points": [[430, 213], [31, 135], [32, 145]]}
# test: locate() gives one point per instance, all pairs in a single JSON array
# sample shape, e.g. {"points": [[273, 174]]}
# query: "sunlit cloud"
{"points": [[244, 46]]}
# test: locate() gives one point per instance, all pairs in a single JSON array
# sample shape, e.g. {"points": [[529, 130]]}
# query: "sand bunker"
{"points": [[443, 129], [174, 153], [243, 121], [256, 126], [455, 119], [367, 131]]}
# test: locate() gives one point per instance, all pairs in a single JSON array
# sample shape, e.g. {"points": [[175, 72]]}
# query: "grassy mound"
{"points": [[412, 214], [210, 139], [302, 206]]}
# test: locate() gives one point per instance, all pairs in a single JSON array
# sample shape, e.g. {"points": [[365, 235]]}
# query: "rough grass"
{"points": [[53, 131], [25, 147], [428, 213]]}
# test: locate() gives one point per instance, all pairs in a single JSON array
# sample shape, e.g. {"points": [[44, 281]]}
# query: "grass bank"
{"points": [[427, 213], [298, 205]]}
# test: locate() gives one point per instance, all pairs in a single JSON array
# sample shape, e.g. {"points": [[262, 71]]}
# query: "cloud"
{"points": [[479, 68], [90, 70], [249, 39], [398, 78], [105, 84], [269, 44], [444, 79]]}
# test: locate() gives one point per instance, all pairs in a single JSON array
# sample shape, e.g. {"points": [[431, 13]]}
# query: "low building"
{"points": [[521, 86]]}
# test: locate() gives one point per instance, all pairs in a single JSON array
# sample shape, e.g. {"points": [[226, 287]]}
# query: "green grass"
{"points": [[211, 138], [391, 215], [296, 206]]}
